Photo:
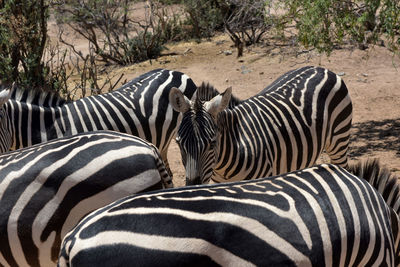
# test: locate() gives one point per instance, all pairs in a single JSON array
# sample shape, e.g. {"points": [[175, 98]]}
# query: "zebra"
{"points": [[5, 123], [47, 188], [41, 98], [381, 179], [319, 216], [140, 107], [283, 128]]}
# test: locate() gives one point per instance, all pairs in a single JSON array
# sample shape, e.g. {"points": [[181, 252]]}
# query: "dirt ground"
{"points": [[372, 76]]}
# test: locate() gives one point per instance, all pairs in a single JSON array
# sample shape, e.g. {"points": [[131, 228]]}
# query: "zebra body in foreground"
{"points": [[140, 107], [47, 188], [283, 128], [320, 216]]}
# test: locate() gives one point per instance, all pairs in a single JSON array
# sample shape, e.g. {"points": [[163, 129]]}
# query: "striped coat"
{"points": [[283, 128], [320, 216], [47, 188], [140, 107]]}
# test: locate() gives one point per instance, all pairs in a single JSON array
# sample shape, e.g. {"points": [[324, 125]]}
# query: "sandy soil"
{"points": [[371, 76]]}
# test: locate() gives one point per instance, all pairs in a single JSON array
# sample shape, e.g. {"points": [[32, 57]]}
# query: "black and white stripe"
{"points": [[283, 128], [6, 129], [320, 216], [140, 107], [386, 182], [40, 98], [47, 188]]}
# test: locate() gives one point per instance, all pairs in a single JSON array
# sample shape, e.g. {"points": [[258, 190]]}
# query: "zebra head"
{"points": [[198, 134], [5, 125]]}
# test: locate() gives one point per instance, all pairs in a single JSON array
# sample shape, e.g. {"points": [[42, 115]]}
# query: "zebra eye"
{"points": [[178, 140]]}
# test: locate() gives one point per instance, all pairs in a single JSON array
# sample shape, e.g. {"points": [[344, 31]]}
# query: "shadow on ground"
{"points": [[373, 136]]}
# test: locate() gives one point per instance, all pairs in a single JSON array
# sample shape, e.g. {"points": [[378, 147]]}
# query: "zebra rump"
{"points": [[319, 216], [47, 188]]}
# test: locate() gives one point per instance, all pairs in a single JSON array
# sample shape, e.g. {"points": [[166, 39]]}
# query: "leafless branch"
{"points": [[246, 24]]}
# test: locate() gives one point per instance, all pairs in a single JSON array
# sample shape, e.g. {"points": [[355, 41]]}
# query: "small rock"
{"points": [[341, 73], [245, 70], [226, 80], [261, 73], [364, 74], [228, 52]]}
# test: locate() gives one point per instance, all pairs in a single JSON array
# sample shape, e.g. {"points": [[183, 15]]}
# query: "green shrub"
{"points": [[142, 47], [205, 17], [325, 24], [23, 36]]}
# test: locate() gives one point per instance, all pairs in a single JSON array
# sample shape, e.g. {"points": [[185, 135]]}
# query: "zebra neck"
{"points": [[241, 155], [230, 134], [31, 123]]}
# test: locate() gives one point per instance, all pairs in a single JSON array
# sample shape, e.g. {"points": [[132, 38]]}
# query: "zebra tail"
{"points": [[381, 178], [166, 177]]}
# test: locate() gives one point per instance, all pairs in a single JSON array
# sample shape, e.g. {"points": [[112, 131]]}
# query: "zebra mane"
{"points": [[206, 92], [385, 182], [36, 97], [198, 104]]}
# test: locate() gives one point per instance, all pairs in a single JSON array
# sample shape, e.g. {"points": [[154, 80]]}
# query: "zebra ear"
{"points": [[179, 101], [218, 103]]}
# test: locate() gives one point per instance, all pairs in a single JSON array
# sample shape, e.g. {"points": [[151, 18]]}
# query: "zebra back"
{"points": [[320, 216], [140, 107], [381, 179], [40, 98], [47, 188]]}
